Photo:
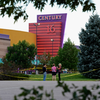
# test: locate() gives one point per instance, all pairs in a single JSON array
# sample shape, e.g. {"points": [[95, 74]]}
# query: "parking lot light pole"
{"points": [[52, 46], [36, 40]]}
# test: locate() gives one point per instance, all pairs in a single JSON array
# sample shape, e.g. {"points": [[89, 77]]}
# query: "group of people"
{"points": [[55, 70]]}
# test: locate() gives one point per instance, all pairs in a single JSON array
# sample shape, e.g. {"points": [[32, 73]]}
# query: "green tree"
{"points": [[89, 57], [54, 60], [68, 55], [22, 53], [45, 58], [18, 7]]}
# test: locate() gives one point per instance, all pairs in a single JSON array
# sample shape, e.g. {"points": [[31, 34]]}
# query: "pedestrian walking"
{"points": [[59, 71], [44, 72], [53, 72]]}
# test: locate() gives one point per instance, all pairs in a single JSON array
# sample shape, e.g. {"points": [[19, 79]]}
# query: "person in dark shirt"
{"points": [[59, 70], [44, 72]]}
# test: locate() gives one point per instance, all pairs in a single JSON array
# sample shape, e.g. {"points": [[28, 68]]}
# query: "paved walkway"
{"points": [[10, 88]]}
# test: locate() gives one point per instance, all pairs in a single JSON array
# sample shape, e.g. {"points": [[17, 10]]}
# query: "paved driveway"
{"points": [[10, 88]]}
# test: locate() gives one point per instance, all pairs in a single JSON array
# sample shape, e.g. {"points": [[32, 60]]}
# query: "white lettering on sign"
{"points": [[54, 17]]}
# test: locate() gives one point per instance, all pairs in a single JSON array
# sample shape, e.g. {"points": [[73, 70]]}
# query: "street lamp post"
{"points": [[52, 46], [36, 40]]}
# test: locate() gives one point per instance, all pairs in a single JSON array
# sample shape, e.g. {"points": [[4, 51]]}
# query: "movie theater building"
{"points": [[47, 34]]}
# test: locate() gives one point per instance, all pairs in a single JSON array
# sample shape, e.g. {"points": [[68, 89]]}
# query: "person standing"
{"points": [[53, 72], [44, 72], [59, 71]]}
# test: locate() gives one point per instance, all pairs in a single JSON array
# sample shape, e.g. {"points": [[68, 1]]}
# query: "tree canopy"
{"points": [[22, 54], [18, 7], [68, 56], [89, 57]]}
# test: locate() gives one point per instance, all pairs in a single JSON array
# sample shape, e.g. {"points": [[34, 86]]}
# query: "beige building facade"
{"points": [[4, 43]]}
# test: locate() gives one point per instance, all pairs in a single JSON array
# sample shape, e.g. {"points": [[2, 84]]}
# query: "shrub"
{"points": [[8, 71], [13, 76]]}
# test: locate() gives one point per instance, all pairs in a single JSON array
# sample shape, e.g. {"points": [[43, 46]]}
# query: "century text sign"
{"points": [[53, 17]]}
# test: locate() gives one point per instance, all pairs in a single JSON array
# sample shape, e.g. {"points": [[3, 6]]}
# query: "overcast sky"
{"points": [[75, 20]]}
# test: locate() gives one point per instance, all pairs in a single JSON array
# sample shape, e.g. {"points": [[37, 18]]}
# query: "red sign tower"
{"points": [[50, 32], [45, 32]]}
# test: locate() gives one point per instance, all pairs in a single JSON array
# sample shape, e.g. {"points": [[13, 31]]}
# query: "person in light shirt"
{"points": [[53, 72]]}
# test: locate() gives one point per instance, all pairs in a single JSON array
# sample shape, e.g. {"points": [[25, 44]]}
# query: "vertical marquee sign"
{"points": [[51, 27]]}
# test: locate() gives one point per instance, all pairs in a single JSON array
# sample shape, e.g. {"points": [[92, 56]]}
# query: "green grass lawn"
{"points": [[64, 77]]}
